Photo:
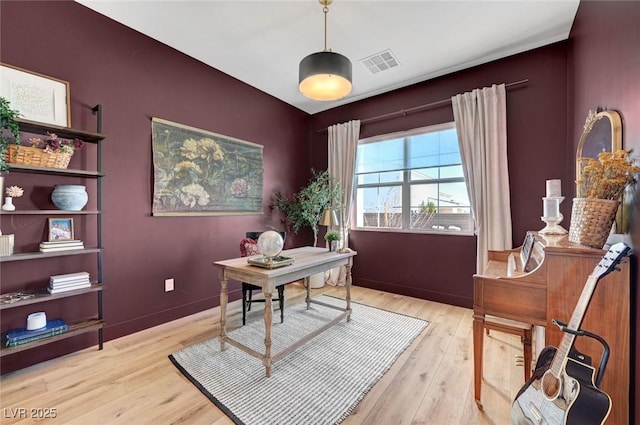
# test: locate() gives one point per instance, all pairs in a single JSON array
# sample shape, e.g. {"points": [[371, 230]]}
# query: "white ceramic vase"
{"points": [[70, 197], [8, 204]]}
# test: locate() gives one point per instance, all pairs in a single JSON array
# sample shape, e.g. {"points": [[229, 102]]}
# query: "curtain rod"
{"points": [[419, 108]]}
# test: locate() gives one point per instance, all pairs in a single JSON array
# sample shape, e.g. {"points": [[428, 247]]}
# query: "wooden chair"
{"points": [[523, 330], [248, 247]]}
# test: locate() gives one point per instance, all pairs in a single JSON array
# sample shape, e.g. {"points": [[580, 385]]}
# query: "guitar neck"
{"points": [[574, 324], [604, 267]]}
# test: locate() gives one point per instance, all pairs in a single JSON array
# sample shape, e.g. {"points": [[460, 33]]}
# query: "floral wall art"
{"points": [[197, 172]]}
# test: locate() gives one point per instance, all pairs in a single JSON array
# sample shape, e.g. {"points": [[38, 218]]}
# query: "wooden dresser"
{"points": [[549, 289]]}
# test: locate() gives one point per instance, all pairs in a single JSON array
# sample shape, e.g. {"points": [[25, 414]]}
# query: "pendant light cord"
{"points": [[325, 10]]}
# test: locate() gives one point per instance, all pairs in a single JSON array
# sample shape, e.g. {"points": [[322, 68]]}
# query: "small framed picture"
{"points": [[36, 96], [60, 229]]}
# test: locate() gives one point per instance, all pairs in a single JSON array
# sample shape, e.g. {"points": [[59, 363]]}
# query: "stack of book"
{"points": [[21, 336], [52, 246], [68, 282]]}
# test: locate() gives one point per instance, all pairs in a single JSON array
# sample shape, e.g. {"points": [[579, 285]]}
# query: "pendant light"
{"points": [[325, 75]]}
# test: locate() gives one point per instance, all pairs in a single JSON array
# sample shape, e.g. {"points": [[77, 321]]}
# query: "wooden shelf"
{"points": [[74, 329], [50, 212], [29, 126], [40, 255], [21, 168], [44, 296]]}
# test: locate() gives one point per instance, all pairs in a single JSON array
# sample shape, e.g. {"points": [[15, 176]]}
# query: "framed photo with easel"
{"points": [[526, 251], [60, 229], [36, 96]]}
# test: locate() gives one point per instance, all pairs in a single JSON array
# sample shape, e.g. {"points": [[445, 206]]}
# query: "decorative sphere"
{"points": [[270, 243]]}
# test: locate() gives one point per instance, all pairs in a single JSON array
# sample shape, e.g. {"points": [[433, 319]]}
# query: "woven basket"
{"points": [[591, 221], [37, 157]]}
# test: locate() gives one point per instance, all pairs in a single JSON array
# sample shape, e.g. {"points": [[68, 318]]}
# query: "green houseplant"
{"points": [[9, 130], [304, 208], [333, 237]]}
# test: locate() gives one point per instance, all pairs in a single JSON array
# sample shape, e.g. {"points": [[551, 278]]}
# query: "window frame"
{"points": [[406, 184]]}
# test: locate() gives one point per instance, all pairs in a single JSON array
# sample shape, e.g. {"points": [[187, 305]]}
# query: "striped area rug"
{"points": [[318, 384]]}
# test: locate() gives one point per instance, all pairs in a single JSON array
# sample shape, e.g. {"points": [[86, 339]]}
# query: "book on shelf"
{"points": [[60, 278], [58, 290], [37, 338], [61, 247], [69, 283], [23, 335], [61, 243]]}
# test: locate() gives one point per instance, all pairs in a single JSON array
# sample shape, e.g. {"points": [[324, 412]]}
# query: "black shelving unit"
{"points": [[93, 323]]}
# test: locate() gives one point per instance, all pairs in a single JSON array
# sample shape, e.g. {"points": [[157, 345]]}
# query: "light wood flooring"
{"points": [[133, 382]]}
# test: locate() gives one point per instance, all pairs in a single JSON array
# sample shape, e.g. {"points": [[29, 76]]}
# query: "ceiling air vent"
{"points": [[380, 61]]}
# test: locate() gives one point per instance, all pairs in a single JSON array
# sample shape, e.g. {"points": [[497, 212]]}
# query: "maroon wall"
{"points": [[439, 267], [136, 78], [605, 57]]}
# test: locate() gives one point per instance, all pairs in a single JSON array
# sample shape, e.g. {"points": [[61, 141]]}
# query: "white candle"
{"points": [[550, 207], [553, 188]]}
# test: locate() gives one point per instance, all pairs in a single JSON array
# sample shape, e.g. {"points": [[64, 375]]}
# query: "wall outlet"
{"points": [[168, 285]]}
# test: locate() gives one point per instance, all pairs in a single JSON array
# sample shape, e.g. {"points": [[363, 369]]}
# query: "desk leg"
{"points": [[478, 346], [348, 288], [223, 309], [307, 284], [268, 319]]}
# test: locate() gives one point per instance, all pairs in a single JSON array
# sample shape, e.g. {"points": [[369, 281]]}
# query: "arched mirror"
{"points": [[602, 133]]}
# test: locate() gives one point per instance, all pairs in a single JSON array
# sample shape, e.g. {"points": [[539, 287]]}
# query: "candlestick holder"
{"points": [[552, 216]]}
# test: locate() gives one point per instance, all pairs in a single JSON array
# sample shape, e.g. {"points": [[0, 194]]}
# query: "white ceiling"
{"points": [[261, 42]]}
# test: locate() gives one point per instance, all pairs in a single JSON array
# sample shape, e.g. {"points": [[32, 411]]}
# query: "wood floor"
{"points": [[133, 382]]}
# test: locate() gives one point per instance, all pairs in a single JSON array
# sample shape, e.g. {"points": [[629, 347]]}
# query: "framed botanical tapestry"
{"points": [[197, 172]]}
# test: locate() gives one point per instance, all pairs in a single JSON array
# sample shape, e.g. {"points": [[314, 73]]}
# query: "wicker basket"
{"points": [[37, 157], [591, 221]]}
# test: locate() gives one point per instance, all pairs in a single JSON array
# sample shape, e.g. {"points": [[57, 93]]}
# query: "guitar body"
{"points": [[579, 402], [561, 390]]}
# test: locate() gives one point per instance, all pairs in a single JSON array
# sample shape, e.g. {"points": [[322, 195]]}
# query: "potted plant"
{"points": [[333, 238], [304, 209], [9, 130]]}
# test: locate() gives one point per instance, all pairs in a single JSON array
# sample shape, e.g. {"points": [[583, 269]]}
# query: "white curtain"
{"points": [[343, 145], [481, 124]]}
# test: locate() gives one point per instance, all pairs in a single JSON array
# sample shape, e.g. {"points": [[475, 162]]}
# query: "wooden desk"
{"points": [[551, 291], [308, 261]]}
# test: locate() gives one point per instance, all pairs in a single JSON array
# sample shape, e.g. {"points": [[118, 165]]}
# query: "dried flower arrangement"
{"points": [[608, 176], [53, 144], [14, 191]]}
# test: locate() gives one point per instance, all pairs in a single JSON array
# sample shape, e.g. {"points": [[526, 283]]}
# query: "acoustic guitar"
{"points": [[561, 390]]}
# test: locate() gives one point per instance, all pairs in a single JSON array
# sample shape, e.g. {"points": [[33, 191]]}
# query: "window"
{"points": [[412, 181]]}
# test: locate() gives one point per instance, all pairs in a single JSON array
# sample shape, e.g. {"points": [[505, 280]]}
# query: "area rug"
{"points": [[318, 384]]}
